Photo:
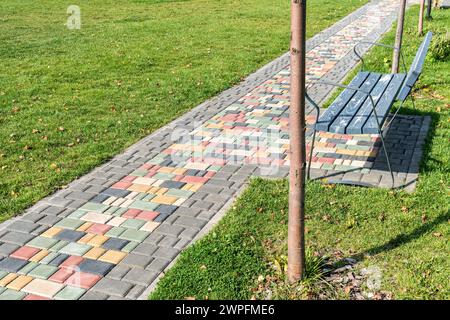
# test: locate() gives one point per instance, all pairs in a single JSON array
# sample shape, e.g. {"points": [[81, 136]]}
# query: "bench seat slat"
{"points": [[343, 119], [341, 101], [355, 126], [384, 105]]}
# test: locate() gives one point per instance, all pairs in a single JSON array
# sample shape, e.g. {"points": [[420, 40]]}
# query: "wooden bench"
{"points": [[363, 105]]}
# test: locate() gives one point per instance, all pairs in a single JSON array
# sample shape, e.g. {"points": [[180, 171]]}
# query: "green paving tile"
{"points": [[140, 196], [68, 223], [327, 166], [147, 197], [43, 271], [9, 294], [343, 168], [134, 235], [133, 224], [115, 232], [59, 245], [76, 214], [139, 173], [130, 246], [42, 242], [214, 168], [30, 266], [75, 249], [163, 176], [143, 205], [94, 206], [49, 257], [2, 274], [120, 211], [70, 293], [179, 193]]}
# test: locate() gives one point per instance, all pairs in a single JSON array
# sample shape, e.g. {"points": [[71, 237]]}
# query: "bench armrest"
{"points": [[355, 51]]}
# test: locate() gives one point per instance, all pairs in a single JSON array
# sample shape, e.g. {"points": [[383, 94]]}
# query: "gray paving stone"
{"points": [[7, 248], [172, 230], [118, 272], [16, 238], [145, 249], [166, 253], [22, 226], [135, 292], [158, 264], [49, 220], [190, 222], [136, 260], [140, 276], [93, 295], [112, 287]]}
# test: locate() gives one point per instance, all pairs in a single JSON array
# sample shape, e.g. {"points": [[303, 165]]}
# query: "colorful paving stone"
{"points": [[143, 217]]}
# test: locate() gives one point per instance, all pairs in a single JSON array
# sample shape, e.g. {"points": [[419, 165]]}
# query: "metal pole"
{"points": [[398, 37], [296, 234], [429, 17], [422, 6]]}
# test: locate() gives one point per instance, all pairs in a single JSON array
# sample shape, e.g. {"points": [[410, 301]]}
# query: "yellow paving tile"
{"points": [[86, 238], [179, 171], [153, 190], [7, 279], [138, 188], [345, 151], [187, 186], [113, 256], [39, 256], [94, 253], [161, 191], [98, 240], [50, 233], [19, 282], [196, 186], [85, 226], [165, 169], [164, 199]]}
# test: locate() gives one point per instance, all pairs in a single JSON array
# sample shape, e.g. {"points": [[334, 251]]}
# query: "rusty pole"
{"points": [[422, 7], [398, 37], [296, 228]]}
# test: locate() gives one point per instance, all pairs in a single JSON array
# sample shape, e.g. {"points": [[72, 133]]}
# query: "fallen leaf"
{"points": [[61, 129], [189, 298], [405, 209], [437, 234], [27, 147], [424, 218], [35, 131]]}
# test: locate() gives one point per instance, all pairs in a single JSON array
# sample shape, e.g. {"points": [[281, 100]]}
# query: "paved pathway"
{"points": [[110, 234]]}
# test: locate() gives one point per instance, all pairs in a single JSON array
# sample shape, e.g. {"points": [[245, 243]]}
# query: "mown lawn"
{"points": [[71, 99], [404, 235]]}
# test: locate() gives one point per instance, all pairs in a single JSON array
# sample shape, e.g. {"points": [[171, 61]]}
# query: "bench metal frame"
{"points": [[367, 94]]}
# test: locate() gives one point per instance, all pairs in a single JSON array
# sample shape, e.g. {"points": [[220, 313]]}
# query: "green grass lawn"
{"points": [[404, 235], [71, 99]]}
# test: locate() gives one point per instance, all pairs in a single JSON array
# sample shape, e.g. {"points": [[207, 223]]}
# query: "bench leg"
{"points": [[387, 156], [413, 100], [308, 173]]}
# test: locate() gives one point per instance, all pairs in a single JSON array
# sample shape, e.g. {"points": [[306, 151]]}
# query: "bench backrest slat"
{"points": [[416, 67]]}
